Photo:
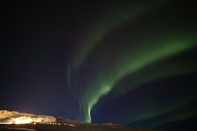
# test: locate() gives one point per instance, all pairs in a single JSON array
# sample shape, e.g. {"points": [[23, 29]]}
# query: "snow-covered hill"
{"points": [[13, 117]]}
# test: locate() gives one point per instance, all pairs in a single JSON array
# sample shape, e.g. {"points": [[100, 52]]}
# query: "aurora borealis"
{"points": [[132, 58], [128, 62]]}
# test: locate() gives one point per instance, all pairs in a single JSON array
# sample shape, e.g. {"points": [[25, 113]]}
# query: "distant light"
{"points": [[19, 120]]}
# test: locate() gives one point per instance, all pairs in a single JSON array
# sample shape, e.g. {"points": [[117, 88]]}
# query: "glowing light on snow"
{"points": [[12, 117], [19, 120]]}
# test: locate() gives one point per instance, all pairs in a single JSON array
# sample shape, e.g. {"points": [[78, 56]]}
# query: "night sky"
{"points": [[130, 62]]}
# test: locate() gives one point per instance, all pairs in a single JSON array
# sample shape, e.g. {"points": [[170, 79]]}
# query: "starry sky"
{"points": [[130, 62]]}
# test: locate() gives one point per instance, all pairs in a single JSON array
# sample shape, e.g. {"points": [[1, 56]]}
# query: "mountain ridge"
{"points": [[26, 121]]}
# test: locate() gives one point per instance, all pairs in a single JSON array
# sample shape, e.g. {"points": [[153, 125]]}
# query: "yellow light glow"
{"points": [[20, 120]]}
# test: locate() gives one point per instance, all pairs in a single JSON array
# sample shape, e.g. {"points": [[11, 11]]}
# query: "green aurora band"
{"points": [[117, 16], [133, 59], [104, 85]]}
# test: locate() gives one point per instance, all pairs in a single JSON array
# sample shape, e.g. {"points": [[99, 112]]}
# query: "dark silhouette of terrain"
{"points": [[85, 127], [50, 123]]}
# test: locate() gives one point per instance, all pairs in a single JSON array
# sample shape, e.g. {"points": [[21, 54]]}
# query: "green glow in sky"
{"points": [[116, 17], [132, 64], [132, 58]]}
